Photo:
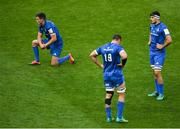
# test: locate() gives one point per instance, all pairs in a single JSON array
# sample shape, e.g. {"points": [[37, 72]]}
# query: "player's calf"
{"points": [[109, 95], [120, 105], [160, 85], [158, 76], [36, 53]]}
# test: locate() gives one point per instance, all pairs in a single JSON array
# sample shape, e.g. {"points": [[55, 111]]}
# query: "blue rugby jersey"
{"points": [[111, 57]]}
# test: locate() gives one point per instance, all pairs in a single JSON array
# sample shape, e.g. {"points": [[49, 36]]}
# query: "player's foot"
{"points": [[160, 97], [154, 94], [71, 59], [109, 119], [35, 62], [121, 120]]}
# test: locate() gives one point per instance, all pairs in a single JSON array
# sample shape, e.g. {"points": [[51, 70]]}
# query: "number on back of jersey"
{"points": [[108, 57]]}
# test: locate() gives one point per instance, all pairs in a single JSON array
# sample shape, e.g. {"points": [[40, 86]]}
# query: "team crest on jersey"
{"points": [[108, 49]]}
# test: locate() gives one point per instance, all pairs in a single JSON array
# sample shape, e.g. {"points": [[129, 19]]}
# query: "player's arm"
{"points": [[168, 40], [149, 42], [53, 37], [39, 38], [123, 55], [52, 40], [93, 57]]}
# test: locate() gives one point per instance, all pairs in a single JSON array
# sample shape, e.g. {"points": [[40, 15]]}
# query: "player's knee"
{"points": [[54, 64], [109, 95], [157, 74], [54, 61], [34, 43], [108, 101], [121, 97]]}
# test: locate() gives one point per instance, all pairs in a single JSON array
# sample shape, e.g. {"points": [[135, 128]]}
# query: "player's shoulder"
{"points": [[105, 45], [49, 24], [152, 25], [162, 25], [118, 45]]}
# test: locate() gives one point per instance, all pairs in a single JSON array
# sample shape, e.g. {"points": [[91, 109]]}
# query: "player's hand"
{"points": [[120, 65], [102, 66], [160, 46], [149, 43], [43, 46]]}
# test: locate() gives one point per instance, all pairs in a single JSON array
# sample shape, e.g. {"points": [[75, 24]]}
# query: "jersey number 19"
{"points": [[108, 57]]}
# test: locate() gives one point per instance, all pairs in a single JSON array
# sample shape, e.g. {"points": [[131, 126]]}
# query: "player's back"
{"points": [[111, 57]]}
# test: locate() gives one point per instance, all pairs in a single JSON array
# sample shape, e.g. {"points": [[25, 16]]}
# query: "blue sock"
{"points": [[120, 107], [157, 86], [63, 59], [161, 89], [108, 112], [36, 53]]}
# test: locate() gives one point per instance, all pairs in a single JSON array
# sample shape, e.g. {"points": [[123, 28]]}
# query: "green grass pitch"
{"points": [[73, 95]]}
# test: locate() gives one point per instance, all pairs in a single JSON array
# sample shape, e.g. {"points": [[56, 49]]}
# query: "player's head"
{"points": [[155, 17], [40, 18], [117, 38]]}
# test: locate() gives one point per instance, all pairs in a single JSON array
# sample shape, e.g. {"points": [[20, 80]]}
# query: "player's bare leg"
{"points": [[35, 43], [54, 61]]}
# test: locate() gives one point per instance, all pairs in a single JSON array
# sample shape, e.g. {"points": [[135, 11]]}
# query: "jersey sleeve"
{"points": [[98, 50], [40, 30], [119, 49], [165, 31], [51, 29]]}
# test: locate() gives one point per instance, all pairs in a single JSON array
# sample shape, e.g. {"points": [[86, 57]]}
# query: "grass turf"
{"points": [[73, 96]]}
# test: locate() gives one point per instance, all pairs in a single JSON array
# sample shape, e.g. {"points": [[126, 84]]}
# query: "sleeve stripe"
{"points": [[53, 34], [166, 31], [121, 51], [96, 52]]}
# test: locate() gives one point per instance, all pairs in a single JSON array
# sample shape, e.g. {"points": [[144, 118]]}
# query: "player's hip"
{"points": [[153, 48], [113, 82], [157, 60], [55, 52], [113, 73], [157, 54], [113, 77]]}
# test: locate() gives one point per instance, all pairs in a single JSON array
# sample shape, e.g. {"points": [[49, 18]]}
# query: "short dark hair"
{"points": [[155, 13], [41, 15], [117, 37]]}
